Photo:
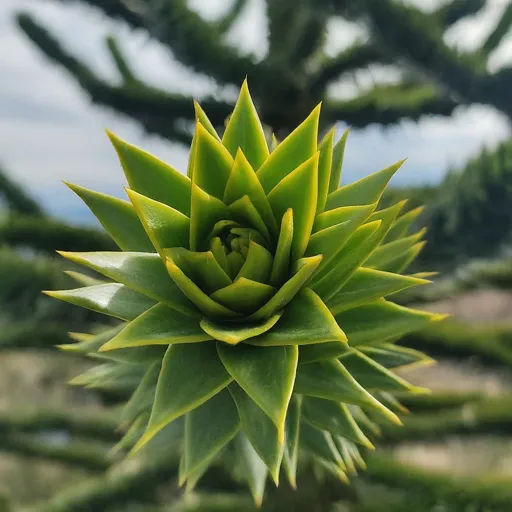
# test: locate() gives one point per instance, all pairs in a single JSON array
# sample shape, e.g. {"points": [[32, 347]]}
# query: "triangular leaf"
{"points": [[402, 224], [306, 320], [142, 272], [260, 431], [337, 161], [331, 380], [366, 285], [333, 417], [244, 296], [258, 264], [220, 416], [291, 449], [243, 211], [212, 163], [190, 375], [254, 469], [324, 168], [201, 267], [304, 269], [381, 320], [267, 376], [293, 151], [151, 177], [196, 295], [159, 325], [244, 131], [393, 356], [243, 181], [118, 217], [298, 191], [321, 351], [234, 333], [365, 191], [142, 400], [372, 375], [203, 119], [165, 226], [110, 299], [206, 212], [357, 214], [282, 258]]}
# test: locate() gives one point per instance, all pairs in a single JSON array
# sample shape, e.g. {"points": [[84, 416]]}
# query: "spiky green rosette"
{"points": [[253, 295]]}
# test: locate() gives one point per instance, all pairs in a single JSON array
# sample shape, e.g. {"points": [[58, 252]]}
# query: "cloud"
{"points": [[49, 131]]}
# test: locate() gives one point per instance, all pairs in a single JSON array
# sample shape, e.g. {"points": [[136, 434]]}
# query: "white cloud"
{"points": [[49, 131]]}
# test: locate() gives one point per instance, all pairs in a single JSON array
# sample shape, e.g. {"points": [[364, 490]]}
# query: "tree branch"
{"points": [[225, 23], [502, 28], [388, 105], [455, 10]]}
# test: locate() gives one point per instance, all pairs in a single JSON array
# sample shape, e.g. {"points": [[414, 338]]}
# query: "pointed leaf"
{"points": [[298, 191], [110, 299], [337, 161], [402, 262], [333, 417], [206, 212], [381, 320], [292, 430], [234, 333], [306, 320], [196, 295], [243, 181], [244, 296], [282, 258], [244, 130], [323, 449], [321, 351], [142, 272], [212, 163], [331, 380], [293, 151], [203, 119], [402, 224], [244, 212], [365, 191], [254, 468], [142, 399], [386, 254], [304, 270], [118, 217], [372, 375], [91, 343], [201, 267], [165, 226], [331, 278], [220, 416], [393, 356], [267, 376], [367, 285], [324, 168], [260, 431], [190, 375], [159, 325], [151, 177], [258, 264], [357, 214]]}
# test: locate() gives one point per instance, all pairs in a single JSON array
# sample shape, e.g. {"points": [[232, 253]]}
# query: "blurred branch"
{"points": [[228, 20], [442, 487], [98, 426], [492, 416], [16, 198], [352, 59], [81, 455], [495, 38], [455, 10], [439, 400], [488, 345], [46, 235], [387, 105], [122, 65], [158, 111]]}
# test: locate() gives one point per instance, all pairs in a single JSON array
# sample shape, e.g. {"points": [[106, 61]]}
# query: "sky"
{"points": [[49, 131]]}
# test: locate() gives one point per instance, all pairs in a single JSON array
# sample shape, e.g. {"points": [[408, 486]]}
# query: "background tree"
{"points": [[296, 73]]}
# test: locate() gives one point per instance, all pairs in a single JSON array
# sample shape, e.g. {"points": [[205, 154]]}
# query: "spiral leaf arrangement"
{"points": [[252, 292]]}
